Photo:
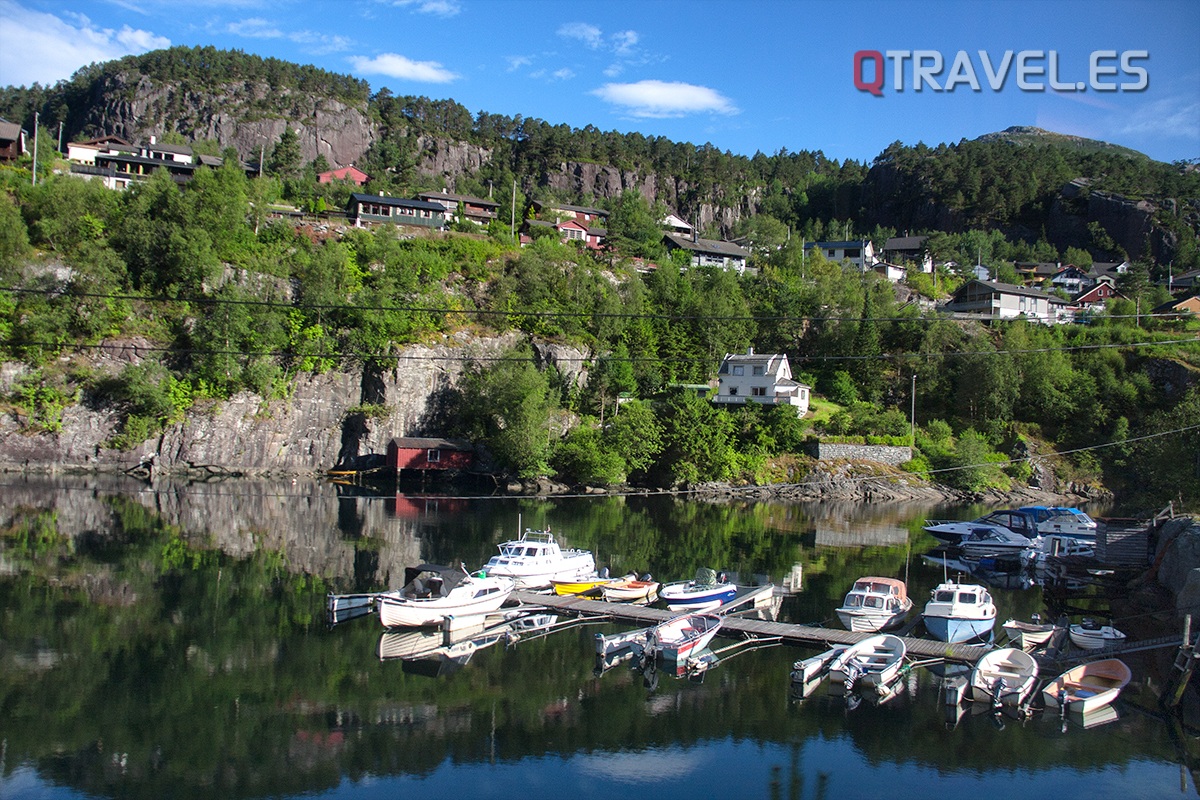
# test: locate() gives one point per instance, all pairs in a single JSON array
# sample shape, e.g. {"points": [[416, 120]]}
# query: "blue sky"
{"points": [[746, 76]]}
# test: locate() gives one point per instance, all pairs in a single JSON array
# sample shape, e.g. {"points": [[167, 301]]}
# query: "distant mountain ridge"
{"points": [[1026, 134]]}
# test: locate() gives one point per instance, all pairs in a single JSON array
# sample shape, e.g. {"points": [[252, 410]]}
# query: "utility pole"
{"points": [[512, 222], [33, 177], [60, 127], [912, 413]]}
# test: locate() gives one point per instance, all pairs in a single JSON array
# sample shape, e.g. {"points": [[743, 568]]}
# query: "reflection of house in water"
{"points": [[415, 508], [856, 533]]}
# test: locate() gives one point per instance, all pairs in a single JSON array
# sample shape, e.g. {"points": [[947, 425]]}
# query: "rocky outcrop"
{"points": [[247, 116], [327, 420]]}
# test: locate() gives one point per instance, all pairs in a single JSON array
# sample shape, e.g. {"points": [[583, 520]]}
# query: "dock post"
{"points": [[1184, 667]]}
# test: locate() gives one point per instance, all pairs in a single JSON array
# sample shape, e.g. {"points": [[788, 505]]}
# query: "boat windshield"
{"points": [[853, 600], [967, 597], [944, 596]]}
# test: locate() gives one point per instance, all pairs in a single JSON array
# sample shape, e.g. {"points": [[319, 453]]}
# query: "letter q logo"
{"points": [[861, 59]]}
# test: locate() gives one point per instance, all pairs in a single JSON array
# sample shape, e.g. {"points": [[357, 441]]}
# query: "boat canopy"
{"points": [[706, 576], [437, 579], [892, 586]]}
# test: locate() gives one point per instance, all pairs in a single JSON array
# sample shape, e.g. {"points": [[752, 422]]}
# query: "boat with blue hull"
{"points": [[706, 590], [960, 612]]}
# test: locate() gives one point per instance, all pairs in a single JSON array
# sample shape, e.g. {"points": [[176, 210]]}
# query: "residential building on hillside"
{"points": [[859, 252], [474, 209], [118, 164], [676, 224], [1095, 297], [993, 300], [1180, 307], [909, 250], [398, 210], [351, 173], [12, 140], [1072, 279], [760, 378], [709, 252], [554, 212], [1036, 272]]}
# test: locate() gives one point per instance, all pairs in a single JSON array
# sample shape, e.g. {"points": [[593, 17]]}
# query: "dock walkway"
{"points": [[796, 635]]}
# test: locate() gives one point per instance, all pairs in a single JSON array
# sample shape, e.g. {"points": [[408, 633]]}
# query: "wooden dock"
{"points": [[787, 633]]}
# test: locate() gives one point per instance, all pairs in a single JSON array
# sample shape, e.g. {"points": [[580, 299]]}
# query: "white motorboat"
{"points": [[875, 604], [1063, 520], [432, 592], [1091, 635], [994, 541], [960, 612], [535, 559], [873, 662], [1004, 677], [1088, 687], [955, 531], [814, 667]]}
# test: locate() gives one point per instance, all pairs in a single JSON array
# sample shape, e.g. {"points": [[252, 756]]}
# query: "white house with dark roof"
{"points": [[859, 252], [474, 209], [708, 252], [760, 378], [990, 299], [909, 250]]}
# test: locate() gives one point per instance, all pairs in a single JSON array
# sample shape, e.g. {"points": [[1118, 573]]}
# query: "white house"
{"points": [[760, 378], [860, 252], [709, 252], [1005, 301], [676, 224]]}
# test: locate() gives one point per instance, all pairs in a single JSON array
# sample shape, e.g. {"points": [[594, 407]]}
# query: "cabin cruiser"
{"points": [[959, 612], [954, 532], [875, 604], [535, 559], [1062, 521]]}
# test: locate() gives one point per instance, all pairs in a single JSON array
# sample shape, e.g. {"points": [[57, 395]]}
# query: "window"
{"points": [[739, 370], [733, 390], [433, 456], [758, 391], [758, 371]]}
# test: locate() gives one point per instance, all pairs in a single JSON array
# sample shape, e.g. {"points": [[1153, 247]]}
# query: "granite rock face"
{"points": [[332, 419]]}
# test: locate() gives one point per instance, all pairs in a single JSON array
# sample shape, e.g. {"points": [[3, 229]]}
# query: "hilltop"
{"points": [[1029, 135]]}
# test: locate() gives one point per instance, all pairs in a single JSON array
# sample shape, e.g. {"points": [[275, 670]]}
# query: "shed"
{"points": [[429, 454]]}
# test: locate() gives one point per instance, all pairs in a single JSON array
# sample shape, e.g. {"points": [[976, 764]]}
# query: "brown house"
{"points": [[429, 454], [12, 140]]}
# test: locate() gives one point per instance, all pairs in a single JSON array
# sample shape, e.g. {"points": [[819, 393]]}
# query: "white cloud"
{"points": [[624, 41], [43, 48], [439, 8], [317, 43], [660, 99], [397, 66], [516, 62], [564, 74], [1170, 116], [588, 34]]}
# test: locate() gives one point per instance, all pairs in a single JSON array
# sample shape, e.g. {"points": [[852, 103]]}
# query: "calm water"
{"points": [[171, 642]]}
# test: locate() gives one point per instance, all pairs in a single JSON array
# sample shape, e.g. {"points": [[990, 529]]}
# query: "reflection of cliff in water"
{"points": [[317, 529]]}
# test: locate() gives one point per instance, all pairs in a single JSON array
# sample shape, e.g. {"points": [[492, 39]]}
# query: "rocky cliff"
{"points": [[248, 116], [336, 418]]}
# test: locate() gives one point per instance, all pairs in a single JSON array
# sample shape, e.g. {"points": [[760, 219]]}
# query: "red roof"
{"points": [[344, 174]]}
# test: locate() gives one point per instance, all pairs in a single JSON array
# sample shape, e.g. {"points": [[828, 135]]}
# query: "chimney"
{"points": [[153, 139], [750, 350]]}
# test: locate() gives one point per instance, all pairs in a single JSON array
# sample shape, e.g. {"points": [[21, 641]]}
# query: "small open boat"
{"points": [[1029, 635], [706, 590], [432, 592], [1091, 635], [810, 669], [679, 637], [591, 585], [875, 604], [1088, 687], [1004, 677], [631, 590], [873, 662]]}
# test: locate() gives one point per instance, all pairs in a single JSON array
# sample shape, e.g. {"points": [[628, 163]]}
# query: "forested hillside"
{"points": [[224, 297]]}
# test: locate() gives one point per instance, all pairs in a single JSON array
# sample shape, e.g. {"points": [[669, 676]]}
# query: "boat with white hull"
{"points": [[1088, 687], [1004, 677], [535, 559], [874, 662], [432, 592], [706, 590], [875, 604], [1091, 635]]}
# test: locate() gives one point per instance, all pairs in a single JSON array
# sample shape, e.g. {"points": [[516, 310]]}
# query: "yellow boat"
{"points": [[584, 586]]}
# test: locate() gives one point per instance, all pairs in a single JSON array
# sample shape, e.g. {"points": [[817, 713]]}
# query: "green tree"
{"points": [[286, 158], [507, 407], [635, 435], [633, 227]]}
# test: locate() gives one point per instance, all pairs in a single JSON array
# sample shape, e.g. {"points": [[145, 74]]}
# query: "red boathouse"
{"points": [[429, 454]]}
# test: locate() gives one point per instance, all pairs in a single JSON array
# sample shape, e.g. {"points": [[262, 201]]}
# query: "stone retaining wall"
{"points": [[884, 454]]}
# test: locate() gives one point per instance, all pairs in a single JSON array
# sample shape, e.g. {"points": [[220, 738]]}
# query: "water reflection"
{"points": [[170, 640]]}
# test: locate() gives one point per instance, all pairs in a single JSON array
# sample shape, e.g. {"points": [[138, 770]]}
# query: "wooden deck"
{"points": [[796, 635]]}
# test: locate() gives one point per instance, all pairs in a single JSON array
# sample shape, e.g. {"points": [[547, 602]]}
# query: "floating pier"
{"points": [[787, 633]]}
